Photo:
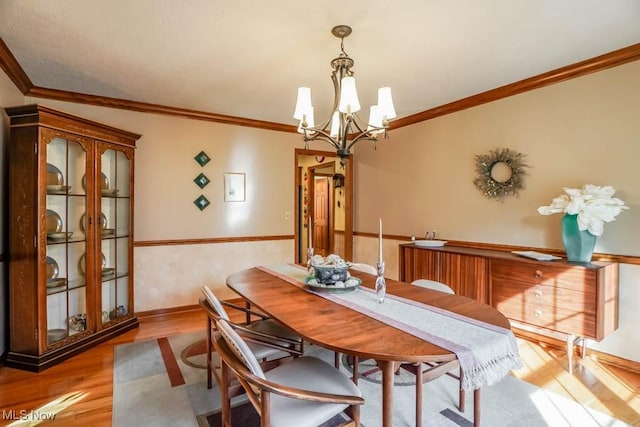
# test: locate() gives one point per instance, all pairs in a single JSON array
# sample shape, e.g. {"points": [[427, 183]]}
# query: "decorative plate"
{"points": [[58, 189], [110, 192], [54, 176], [51, 268], [54, 222], [83, 222], [104, 182], [59, 237], [81, 264], [106, 272], [55, 283], [331, 289]]}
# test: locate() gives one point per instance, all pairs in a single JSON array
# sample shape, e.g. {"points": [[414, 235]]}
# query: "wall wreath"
{"points": [[500, 173]]}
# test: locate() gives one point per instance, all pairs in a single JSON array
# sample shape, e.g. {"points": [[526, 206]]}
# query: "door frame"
{"points": [[347, 195]]}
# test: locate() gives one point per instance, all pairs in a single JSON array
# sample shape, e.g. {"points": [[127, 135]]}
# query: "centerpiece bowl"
{"points": [[330, 274]]}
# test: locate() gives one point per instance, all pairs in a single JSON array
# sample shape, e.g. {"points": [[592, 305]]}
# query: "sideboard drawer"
{"points": [[582, 323], [542, 295], [574, 277]]}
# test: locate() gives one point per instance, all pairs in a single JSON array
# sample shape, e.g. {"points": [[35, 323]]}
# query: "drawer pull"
{"points": [[538, 313], [538, 274], [538, 293]]}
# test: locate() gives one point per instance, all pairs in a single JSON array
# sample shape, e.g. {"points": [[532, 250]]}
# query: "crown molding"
{"points": [[144, 107], [13, 69], [592, 65], [612, 59]]}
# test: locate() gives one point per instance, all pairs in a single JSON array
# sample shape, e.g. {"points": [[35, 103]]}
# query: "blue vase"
{"points": [[579, 244]]}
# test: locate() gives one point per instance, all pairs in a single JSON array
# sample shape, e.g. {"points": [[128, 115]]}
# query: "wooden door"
{"points": [[321, 241]]}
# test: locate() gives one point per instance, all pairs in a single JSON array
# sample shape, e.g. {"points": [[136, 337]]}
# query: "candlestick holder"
{"points": [[381, 285], [310, 270]]}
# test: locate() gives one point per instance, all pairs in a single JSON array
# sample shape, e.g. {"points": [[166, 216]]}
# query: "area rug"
{"points": [[163, 383]]}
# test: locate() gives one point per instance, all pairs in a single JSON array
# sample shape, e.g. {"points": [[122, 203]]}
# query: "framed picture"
{"points": [[234, 187]]}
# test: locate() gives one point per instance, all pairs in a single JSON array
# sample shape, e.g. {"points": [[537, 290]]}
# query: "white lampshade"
{"points": [[375, 119], [308, 117], [385, 101], [303, 104], [348, 96], [335, 124]]}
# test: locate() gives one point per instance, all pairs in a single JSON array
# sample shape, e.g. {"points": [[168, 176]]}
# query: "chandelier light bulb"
{"points": [[335, 124], [385, 101], [303, 104], [306, 121], [375, 119], [349, 102]]}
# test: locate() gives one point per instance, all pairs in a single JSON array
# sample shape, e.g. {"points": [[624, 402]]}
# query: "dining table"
{"points": [[342, 329]]}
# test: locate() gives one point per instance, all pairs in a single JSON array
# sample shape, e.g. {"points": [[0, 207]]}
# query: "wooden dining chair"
{"points": [[304, 391], [365, 268], [432, 284], [435, 370], [267, 339]]}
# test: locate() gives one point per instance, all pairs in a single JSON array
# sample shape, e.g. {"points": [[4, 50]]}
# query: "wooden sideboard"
{"points": [[575, 299]]}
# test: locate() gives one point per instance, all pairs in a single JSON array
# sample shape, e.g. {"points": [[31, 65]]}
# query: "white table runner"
{"points": [[486, 352]]}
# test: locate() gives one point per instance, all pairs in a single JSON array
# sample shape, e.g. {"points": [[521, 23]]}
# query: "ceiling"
{"points": [[246, 58]]}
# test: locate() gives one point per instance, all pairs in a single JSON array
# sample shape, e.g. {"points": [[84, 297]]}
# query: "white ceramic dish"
{"points": [[312, 284], [430, 243]]}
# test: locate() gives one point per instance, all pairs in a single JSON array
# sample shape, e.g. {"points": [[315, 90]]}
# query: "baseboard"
{"points": [[180, 309], [165, 311], [607, 358]]}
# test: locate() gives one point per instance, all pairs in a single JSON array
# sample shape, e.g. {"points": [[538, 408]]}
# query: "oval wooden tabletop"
{"points": [[341, 329]]}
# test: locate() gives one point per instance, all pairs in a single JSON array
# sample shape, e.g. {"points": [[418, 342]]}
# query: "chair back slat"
{"points": [[240, 348], [215, 303]]}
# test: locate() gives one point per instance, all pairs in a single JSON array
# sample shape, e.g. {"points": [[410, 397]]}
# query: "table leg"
{"points": [[387, 391], [225, 399], [209, 350]]}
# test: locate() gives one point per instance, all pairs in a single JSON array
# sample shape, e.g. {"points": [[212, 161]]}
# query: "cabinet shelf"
{"points": [[63, 180]]}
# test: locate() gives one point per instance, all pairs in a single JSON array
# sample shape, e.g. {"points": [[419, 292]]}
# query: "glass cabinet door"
{"points": [[115, 206], [66, 204]]}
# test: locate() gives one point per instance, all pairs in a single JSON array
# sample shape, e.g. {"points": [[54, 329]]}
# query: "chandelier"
{"points": [[344, 128]]}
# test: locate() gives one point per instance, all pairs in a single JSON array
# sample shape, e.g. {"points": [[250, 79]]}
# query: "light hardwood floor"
{"points": [[90, 374]]}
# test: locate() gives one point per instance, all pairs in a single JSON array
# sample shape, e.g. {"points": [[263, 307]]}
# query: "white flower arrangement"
{"points": [[593, 204]]}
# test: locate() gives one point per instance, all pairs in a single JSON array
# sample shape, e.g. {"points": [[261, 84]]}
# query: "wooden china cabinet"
{"points": [[70, 235]]}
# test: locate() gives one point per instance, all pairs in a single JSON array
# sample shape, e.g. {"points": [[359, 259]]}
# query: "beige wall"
{"points": [[586, 130], [171, 276], [582, 131], [9, 96]]}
